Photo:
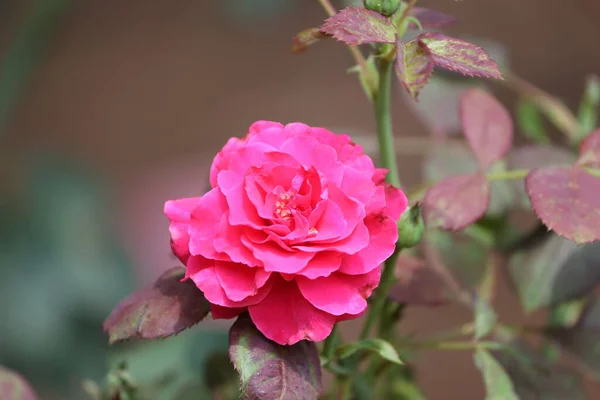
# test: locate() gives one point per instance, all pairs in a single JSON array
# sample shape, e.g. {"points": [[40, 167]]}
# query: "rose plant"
{"points": [[300, 232]]}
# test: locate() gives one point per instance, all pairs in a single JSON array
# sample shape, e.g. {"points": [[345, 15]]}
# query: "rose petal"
{"points": [[241, 210], [383, 235], [219, 312], [345, 294], [179, 212], [354, 243], [227, 241], [276, 259], [239, 281], [286, 317], [395, 202], [204, 225], [204, 274], [331, 224], [322, 264]]}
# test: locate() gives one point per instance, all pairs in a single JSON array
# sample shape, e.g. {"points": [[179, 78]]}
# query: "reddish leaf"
{"points": [[457, 202], [165, 308], [309, 36], [14, 387], [356, 26], [430, 18], [531, 157], [487, 126], [589, 151], [460, 56], [414, 66], [418, 284], [566, 200], [270, 371]]}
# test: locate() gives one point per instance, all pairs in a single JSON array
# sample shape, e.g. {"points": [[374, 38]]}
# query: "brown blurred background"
{"points": [[143, 93]]}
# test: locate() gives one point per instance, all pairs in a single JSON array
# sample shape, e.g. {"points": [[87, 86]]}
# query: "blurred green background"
{"points": [[109, 108]]}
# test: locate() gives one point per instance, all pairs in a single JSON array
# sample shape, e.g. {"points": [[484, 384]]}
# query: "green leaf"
{"points": [[533, 377], [485, 318], [368, 77], [497, 383], [582, 340], [530, 123], [271, 371], [554, 272], [554, 109], [163, 309], [375, 345], [414, 66], [357, 25], [588, 110], [14, 387], [566, 315]]}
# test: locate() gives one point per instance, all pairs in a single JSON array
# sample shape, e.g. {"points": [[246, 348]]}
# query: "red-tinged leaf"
{"points": [[302, 40], [165, 308], [487, 125], [430, 18], [269, 371], [414, 66], [418, 284], [356, 25], [566, 200], [531, 157], [460, 56], [589, 151], [14, 387], [456, 202]]}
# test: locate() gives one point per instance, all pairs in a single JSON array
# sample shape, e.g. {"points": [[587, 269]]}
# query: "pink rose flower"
{"points": [[294, 230]]}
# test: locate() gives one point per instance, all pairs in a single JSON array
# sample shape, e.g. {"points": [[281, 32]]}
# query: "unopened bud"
{"points": [[384, 7], [410, 227]]}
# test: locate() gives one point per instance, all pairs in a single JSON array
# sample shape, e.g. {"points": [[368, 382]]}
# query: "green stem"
{"points": [[594, 172], [455, 345], [330, 344], [507, 175], [383, 115], [387, 278]]}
